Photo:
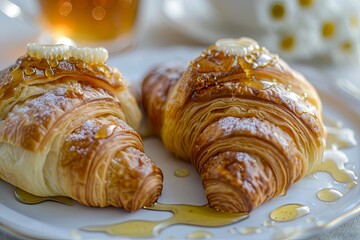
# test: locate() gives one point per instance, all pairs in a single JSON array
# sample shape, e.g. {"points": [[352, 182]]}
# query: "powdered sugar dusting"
{"points": [[87, 129], [229, 124], [253, 126], [82, 135], [29, 123], [42, 109]]}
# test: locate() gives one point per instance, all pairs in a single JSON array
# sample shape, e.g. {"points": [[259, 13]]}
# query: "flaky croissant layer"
{"points": [[249, 124], [66, 129]]}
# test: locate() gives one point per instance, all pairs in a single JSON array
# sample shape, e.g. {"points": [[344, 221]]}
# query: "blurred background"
{"points": [[323, 34], [321, 31]]}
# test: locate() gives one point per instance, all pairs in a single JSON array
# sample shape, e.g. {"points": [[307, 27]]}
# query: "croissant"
{"points": [[248, 123], [66, 128]]}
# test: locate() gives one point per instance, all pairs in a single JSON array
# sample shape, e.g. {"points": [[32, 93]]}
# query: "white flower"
{"points": [[302, 29], [275, 14], [340, 34], [346, 50], [293, 43], [318, 8], [352, 16]]}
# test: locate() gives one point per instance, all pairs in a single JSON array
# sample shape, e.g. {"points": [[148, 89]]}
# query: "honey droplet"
{"points": [[183, 214], [49, 73], [289, 212], [53, 62], [72, 60], [200, 234], [105, 131], [304, 96], [250, 230], [29, 71], [182, 172], [27, 198], [329, 195]]}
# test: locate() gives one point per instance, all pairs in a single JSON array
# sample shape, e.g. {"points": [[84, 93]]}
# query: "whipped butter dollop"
{"points": [[240, 46], [97, 56]]}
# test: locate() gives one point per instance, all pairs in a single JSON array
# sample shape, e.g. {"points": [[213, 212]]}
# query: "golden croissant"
{"points": [[66, 128], [248, 123]]}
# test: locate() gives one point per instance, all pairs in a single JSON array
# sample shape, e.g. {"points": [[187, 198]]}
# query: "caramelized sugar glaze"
{"points": [[249, 124]]}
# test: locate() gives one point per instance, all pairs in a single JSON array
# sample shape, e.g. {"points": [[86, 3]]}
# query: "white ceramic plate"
{"points": [[51, 220]]}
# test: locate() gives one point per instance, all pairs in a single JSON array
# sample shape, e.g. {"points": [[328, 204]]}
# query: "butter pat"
{"points": [[241, 46], [96, 56]]}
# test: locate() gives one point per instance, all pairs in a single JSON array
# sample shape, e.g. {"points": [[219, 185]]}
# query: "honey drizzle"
{"points": [[334, 163], [227, 55], [183, 214], [27, 198], [334, 160]]}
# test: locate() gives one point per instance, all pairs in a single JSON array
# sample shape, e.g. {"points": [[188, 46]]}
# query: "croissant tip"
{"points": [[149, 192]]}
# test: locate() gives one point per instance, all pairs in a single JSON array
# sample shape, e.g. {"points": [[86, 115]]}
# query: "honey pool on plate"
{"points": [[182, 214], [27, 198]]}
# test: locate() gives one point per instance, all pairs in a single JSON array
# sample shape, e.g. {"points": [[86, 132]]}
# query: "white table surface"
{"points": [[154, 31]]}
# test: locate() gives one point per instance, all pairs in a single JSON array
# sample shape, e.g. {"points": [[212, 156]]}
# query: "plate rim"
{"points": [[306, 232]]}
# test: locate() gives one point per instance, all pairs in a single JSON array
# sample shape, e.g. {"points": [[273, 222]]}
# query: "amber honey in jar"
{"points": [[90, 21]]}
